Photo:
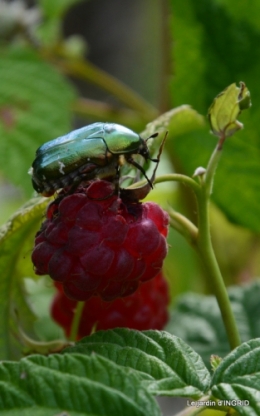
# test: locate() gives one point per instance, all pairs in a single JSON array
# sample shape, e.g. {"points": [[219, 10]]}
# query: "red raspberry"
{"points": [[144, 309], [96, 244]]}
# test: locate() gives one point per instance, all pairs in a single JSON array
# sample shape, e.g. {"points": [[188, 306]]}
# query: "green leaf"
{"points": [[225, 109], [236, 184], [178, 121], [74, 384], [34, 108], [16, 242], [212, 49], [238, 378], [197, 320], [167, 365]]}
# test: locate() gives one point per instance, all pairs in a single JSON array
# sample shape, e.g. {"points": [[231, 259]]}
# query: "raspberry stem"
{"points": [[214, 277], [76, 321], [200, 238], [176, 177], [206, 251], [184, 226], [208, 178]]}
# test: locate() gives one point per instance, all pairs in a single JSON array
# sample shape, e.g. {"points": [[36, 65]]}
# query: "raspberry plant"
{"points": [[135, 357], [208, 352]]}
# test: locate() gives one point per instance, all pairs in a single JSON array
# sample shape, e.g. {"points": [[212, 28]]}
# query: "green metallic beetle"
{"points": [[84, 154]]}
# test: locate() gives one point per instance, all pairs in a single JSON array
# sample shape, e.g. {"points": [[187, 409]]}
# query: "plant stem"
{"points": [[170, 177], [177, 177], [201, 239], [214, 277], [205, 249], [212, 166], [86, 107], [184, 226], [76, 321], [85, 70]]}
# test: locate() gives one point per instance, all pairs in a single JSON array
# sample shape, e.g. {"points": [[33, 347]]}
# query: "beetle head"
{"points": [[144, 151]]}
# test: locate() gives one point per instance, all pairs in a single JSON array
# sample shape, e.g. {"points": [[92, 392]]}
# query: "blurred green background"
{"points": [[68, 63]]}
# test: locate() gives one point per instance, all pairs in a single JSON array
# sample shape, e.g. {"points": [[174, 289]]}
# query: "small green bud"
{"points": [[215, 360], [225, 109]]}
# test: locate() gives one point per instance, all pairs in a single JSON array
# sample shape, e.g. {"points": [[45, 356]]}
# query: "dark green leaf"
{"points": [[216, 45], [74, 384], [167, 365], [236, 188], [238, 378], [34, 108], [197, 320], [16, 242]]}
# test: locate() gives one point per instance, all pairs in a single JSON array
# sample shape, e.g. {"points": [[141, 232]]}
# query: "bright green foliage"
{"points": [[236, 184], [72, 384], [167, 365], [34, 107], [216, 44], [16, 240], [133, 365], [238, 378], [197, 320]]}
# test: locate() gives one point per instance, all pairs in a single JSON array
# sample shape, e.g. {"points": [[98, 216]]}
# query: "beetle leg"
{"points": [[134, 163], [116, 179]]}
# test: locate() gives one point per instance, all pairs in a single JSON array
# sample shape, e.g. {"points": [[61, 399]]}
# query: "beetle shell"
{"points": [[84, 154]]}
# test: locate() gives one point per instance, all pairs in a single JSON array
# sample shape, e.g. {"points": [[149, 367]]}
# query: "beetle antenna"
{"points": [[152, 136]]}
